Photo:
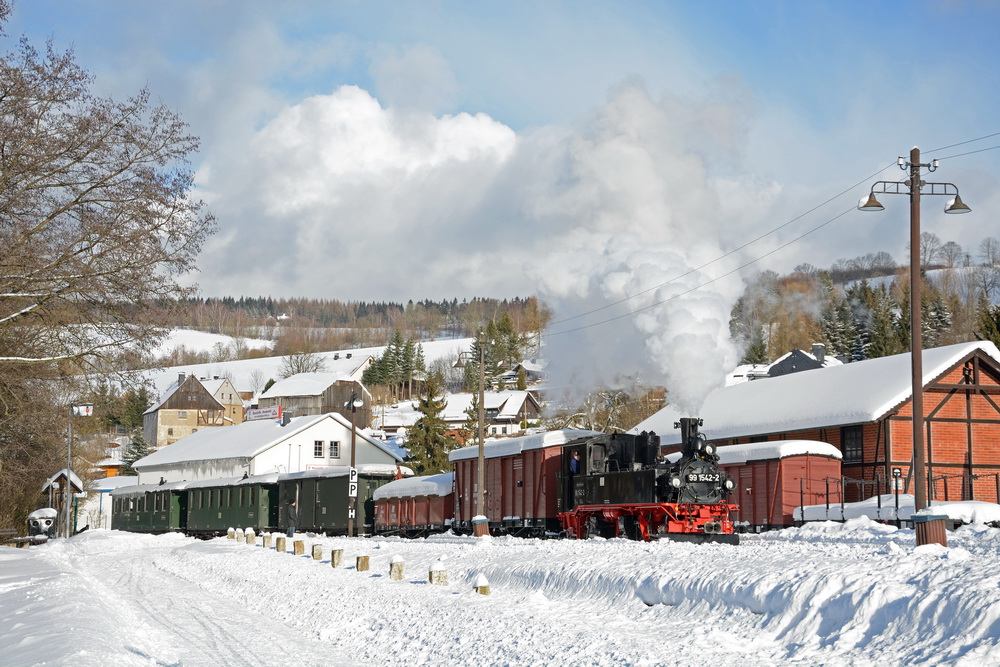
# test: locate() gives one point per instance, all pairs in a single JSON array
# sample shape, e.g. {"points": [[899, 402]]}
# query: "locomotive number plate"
{"points": [[703, 477]]}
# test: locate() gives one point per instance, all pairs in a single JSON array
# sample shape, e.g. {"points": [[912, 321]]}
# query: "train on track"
{"points": [[560, 483]]}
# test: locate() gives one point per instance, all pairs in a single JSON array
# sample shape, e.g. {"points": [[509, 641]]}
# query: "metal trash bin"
{"points": [[42, 524], [931, 529]]}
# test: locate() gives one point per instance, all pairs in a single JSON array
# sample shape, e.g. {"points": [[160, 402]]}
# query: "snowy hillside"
{"points": [[241, 372], [834, 594]]}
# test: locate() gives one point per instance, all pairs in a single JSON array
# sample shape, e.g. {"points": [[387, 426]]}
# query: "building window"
{"points": [[318, 449], [334, 449], [182, 414], [852, 443], [170, 431]]}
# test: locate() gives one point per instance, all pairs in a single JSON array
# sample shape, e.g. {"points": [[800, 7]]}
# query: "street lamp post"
{"points": [[84, 410], [914, 186], [481, 463], [352, 476]]}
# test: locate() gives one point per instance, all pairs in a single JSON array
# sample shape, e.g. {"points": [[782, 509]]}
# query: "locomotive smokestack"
{"points": [[689, 431]]}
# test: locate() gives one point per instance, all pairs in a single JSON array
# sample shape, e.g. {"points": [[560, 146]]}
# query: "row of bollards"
{"points": [[437, 575]]}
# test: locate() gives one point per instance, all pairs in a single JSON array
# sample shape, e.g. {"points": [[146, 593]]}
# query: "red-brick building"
{"points": [[864, 409]]}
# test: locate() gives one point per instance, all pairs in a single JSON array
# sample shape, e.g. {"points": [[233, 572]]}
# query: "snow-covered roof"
{"points": [[242, 441], [172, 389], [508, 404], [510, 446], [372, 469], [417, 487], [767, 451], [314, 384], [856, 393], [111, 483], [74, 480]]}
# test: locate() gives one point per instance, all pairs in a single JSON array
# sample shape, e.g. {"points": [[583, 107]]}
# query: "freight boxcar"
{"points": [[522, 483], [416, 506], [773, 478]]}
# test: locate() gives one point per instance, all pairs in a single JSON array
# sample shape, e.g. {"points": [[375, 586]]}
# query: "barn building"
{"points": [[864, 409], [262, 447]]}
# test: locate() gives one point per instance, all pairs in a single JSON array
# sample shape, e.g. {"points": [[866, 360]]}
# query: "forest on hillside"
{"points": [[859, 308]]}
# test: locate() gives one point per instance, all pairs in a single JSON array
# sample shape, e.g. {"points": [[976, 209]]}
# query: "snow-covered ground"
{"points": [[828, 593], [202, 341]]}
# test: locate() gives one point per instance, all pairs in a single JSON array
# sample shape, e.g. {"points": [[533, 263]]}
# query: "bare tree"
{"points": [[96, 218], [989, 251], [930, 249], [301, 362], [951, 253]]}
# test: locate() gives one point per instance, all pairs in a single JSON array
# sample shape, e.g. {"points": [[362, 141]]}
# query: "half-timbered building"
{"points": [[865, 410]]}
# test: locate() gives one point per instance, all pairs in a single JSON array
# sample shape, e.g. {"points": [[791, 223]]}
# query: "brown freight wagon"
{"points": [[415, 506], [521, 482], [773, 478]]}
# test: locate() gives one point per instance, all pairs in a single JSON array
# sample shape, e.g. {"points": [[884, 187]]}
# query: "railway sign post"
{"points": [[897, 482]]}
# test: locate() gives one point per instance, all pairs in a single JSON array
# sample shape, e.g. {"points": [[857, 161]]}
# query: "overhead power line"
{"points": [[746, 245]]}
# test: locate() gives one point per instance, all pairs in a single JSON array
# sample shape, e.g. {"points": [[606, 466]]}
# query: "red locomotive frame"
{"points": [[676, 521]]}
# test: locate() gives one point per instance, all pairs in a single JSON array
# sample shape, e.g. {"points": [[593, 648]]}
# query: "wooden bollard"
{"points": [[239, 535], [267, 541], [251, 537], [336, 557], [299, 547], [317, 552], [279, 544], [437, 574], [482, 586], [396, 568], [362, 563], [231, 534]]}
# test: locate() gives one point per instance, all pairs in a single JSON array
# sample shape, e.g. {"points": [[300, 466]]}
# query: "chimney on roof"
{"points": [[180, 379], [819, 351], [215, 377], [349, 355], [336, 355]]}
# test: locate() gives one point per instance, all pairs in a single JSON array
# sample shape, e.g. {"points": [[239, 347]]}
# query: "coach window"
{"points": [[318, 449], [252, 494], [334, 449], [852, 443]]}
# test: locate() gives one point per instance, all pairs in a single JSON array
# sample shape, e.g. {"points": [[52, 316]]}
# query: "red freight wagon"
{"points": [[415, 506], [521, 482], [773, 478]]}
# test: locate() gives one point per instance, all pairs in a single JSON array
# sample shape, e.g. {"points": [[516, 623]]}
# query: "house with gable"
{"points": [[322, 392], [865, 410], [185, 408], [223, 390], [264, 446], [792, 362], [503, 413]]}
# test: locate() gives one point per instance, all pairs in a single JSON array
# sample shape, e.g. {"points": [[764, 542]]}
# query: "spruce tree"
{"points": [[426, 442]]}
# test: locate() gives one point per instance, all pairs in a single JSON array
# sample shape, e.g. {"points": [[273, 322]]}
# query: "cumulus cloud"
{"points": [[618, 213]]}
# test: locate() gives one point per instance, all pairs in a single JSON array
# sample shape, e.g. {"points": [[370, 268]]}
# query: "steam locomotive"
{"points": [[620, 487]]}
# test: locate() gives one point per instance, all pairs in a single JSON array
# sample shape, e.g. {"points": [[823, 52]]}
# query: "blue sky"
{"points": [[396, 150], [629, 162]]}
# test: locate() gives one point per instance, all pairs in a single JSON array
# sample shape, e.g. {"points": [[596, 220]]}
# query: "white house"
{"points": [[261, 447]]}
